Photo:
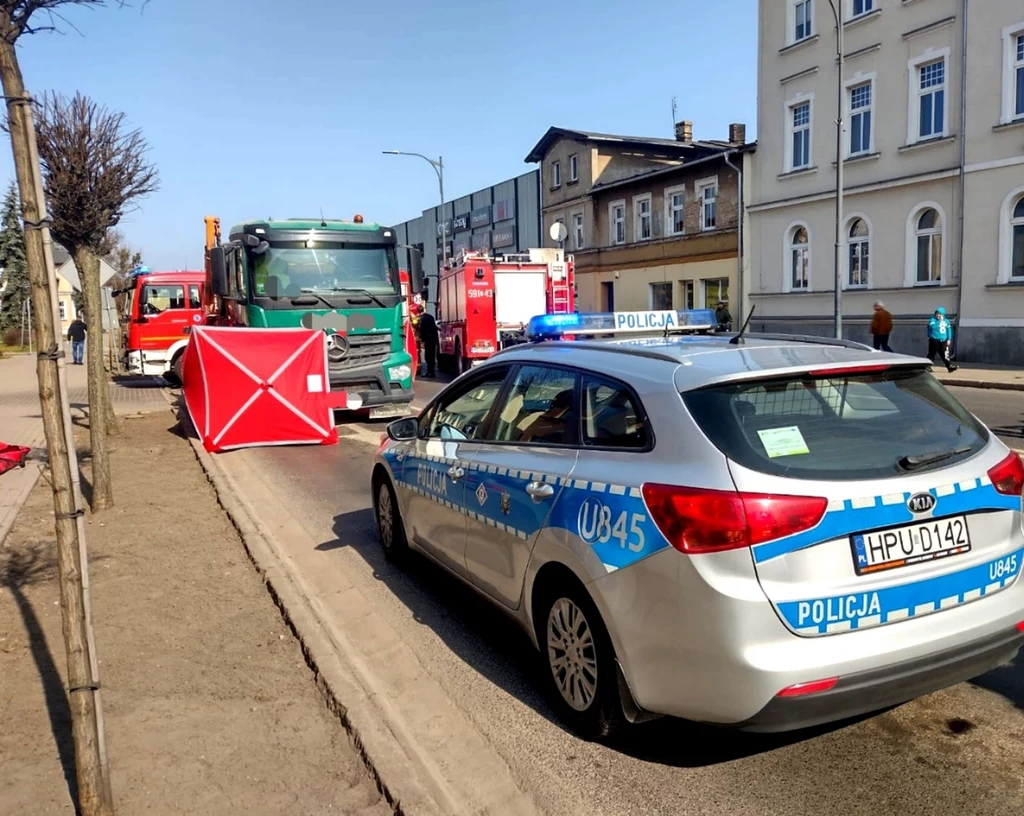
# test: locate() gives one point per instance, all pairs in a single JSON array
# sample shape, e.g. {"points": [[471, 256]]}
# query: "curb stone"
{"points": [[376, 744], [407, 775], [987, 384]]}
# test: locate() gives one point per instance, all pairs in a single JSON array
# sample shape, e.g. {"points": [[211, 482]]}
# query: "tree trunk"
{"points": [[93, 794], [99, 390]]}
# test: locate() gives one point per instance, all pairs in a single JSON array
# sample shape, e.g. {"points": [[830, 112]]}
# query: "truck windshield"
{"points": [[288, 271]]}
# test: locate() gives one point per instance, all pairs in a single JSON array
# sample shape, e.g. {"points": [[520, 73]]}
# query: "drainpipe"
{"points": [[963, 177], [741, 313]]}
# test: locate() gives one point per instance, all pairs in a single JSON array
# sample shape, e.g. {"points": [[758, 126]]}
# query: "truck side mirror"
{"points": [[415, 271], [218, 271]]}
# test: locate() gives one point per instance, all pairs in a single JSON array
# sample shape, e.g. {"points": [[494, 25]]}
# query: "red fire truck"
{"points": [[485, 301], [160, 310]]}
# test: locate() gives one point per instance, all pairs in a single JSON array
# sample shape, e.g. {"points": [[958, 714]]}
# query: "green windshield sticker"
{"points": [[783, 442]]}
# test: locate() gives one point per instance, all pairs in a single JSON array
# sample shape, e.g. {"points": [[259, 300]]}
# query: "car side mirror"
{"points": [[218, 271], [403, 430]]}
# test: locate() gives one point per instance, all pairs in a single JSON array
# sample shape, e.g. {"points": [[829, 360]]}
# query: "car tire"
{"points": [[390, 530], [579, 663]]}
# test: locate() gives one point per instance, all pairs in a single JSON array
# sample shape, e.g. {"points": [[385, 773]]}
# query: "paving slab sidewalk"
{"points": [[22, 424], [1001, 378], [210, 705]]}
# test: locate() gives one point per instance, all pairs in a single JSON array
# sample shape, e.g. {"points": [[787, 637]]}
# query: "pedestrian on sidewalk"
{"points": [[940, 336], [881, 327], [429, 336], [76, 334], [723, 316]]}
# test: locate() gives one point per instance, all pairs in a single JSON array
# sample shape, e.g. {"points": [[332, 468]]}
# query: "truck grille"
{"points": [[364, 351]]}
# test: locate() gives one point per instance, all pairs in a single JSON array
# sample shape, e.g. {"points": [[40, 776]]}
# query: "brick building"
{"points": [[652, 223]]}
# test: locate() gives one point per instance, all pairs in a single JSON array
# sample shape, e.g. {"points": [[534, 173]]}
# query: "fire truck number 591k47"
{"points": [[484, 302]]}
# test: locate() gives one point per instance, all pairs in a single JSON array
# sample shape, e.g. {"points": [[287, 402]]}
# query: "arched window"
{"points": [[800, 258], [929, 246], [1017, 262], [859, 253]]}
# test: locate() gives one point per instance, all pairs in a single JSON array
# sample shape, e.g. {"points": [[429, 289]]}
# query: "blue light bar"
{"points": [[552, 327], [139, 270]]}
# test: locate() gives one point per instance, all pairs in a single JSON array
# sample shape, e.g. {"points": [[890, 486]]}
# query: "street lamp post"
{"points": [[840, 90], [438, 166]]}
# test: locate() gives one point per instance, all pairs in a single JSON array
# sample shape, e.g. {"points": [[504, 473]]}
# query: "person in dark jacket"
{"points": [[881, 327], [723, 316], [429, 338], [76, 334], [940, 336]]}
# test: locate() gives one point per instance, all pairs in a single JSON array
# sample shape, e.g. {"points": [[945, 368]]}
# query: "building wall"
{"points": [[898, 175], [507, 218], [700, 258]]}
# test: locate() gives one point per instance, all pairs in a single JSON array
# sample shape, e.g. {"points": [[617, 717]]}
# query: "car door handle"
{"points": [[540, 491], [455, 473]]}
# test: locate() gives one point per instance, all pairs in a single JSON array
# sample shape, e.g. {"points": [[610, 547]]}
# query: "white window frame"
{"points": [[848, 242], [791, 7], [578, 231], [556, 175], [670, 210], [613, 222], [1006, 237], [1010, 66], [910, 270], [851, 14], [790, 106], [699, 188], [638, 235], [574, 167], [63, 307], [787, 257], [914, 94], [859, 80]]}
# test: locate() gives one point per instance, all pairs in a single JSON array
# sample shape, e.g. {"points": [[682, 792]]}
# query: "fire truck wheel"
{"points": [[176, 368], [461, 363]]}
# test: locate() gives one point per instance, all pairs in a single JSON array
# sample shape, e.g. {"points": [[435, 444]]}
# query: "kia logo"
{"points": [[921, 503]]}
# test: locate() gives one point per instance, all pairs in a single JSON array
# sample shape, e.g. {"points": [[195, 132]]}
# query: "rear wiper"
{"points": [[919, 461], [361, 292]]}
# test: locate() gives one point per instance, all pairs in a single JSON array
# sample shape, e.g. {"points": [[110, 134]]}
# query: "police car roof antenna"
{"points": [[738, 339], [323, 221]]}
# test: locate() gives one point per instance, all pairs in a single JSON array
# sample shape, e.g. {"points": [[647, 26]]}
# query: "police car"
{"points": [[762, 531]]}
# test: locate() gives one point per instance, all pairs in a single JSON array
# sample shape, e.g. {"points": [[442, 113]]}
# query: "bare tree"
{"points": [[18, 17], [95, 169]]}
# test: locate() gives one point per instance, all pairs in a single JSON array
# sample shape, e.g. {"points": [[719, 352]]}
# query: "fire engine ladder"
{"points": [[561, 296]]}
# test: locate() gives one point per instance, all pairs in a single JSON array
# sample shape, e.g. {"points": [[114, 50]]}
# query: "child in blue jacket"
{"points": [[940, 335]]}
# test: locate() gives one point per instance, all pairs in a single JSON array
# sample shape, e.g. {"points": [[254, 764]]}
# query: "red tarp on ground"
{"points": [[252, 387], [12, 456]]}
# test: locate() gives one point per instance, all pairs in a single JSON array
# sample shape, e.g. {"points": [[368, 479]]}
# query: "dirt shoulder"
{"points": [[210, 706]]}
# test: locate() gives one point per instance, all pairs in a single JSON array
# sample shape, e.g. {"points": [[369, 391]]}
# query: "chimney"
{"points": [[684, 132], [738, 133]]}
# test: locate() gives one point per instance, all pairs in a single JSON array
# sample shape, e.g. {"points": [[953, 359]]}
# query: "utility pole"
{"points": [[438, 166], [840, 237], [92, 773]]}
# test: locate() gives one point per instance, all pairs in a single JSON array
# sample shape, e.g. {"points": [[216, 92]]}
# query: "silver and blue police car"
{"points": [[767, 532]]}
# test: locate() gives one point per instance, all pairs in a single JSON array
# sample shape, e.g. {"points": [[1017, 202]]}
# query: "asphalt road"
{"points": [[960, 750]]}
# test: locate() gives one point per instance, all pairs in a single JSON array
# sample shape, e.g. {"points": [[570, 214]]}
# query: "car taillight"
{"points": [[1020, 626], [842, 371], [1008, 476], [695, 520], [814, 687]]}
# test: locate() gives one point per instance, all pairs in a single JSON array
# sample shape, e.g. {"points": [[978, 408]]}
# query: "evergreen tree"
{"points": [[13, 268]]}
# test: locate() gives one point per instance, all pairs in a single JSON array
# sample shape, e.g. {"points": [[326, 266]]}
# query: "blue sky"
{"points": [[256, 108]]}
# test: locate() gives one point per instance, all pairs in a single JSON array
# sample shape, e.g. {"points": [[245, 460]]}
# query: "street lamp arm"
{"points": [[437, 165]]}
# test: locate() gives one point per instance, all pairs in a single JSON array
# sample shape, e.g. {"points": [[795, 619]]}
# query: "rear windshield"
{"points": [[856, 426]]}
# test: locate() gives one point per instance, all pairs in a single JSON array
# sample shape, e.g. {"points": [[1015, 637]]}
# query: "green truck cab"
{"points": [[339, 276]]}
